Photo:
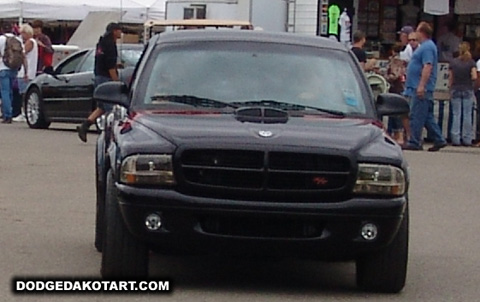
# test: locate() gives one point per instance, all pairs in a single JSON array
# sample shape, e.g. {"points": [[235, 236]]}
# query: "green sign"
{"points": [[333, 16]]}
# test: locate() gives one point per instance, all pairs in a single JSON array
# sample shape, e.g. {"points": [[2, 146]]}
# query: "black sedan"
{"points": [[65, 94]]}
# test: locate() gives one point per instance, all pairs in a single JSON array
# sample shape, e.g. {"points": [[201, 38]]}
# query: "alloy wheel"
{"points": [[33, 108]]}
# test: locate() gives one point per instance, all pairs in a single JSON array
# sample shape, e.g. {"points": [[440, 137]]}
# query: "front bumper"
{"points": [[328, 231]]}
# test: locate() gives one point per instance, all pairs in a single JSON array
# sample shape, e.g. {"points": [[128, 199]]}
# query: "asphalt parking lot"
{"points": [[47, 206]]}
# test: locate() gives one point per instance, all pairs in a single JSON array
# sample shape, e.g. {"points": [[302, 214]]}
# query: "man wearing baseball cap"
{"points": [[407, 51], [105, 70]]}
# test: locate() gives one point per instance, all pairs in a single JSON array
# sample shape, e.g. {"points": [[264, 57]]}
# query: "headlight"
{"points": [[147, 170], [380, 180]]}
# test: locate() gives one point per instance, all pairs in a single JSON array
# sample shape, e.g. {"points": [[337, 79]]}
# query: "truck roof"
{"points": [[198, 22], [250, 36]]}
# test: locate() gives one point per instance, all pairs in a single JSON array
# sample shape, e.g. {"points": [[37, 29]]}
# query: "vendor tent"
{"points": [[132, 11]]}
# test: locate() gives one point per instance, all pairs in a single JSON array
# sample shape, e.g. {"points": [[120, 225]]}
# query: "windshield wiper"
{"points": [[288, 106], [192, 101]]}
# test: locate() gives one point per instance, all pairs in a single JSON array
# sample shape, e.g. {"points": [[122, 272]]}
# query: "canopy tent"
{"points": [[132, 11]]}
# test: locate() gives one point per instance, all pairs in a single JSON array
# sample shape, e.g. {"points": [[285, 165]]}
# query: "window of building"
{"points": [[195, 11]]}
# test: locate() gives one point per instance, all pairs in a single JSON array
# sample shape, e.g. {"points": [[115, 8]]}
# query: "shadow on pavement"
{"points": [[262, 276]]}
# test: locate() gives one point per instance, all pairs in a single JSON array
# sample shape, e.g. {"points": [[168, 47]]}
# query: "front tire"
{"points": [[34, 110], [386, 270], [100, 206], [99, 221], [123, 255]]}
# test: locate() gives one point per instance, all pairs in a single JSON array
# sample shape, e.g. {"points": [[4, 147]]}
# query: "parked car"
{"points": [[63, 51], [65, 94], [251, 143]]}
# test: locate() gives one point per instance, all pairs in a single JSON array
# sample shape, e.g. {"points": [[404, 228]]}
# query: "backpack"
{"points": [[13, 54]]}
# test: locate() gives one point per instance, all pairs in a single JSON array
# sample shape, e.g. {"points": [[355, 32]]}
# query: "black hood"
{"points": [[309, 131]]}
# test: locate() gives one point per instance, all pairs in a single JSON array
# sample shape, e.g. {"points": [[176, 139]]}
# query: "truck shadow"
{"points": [[255, 275]]}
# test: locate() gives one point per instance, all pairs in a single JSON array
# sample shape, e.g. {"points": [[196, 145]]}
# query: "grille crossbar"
{"points": [[267, 171]]}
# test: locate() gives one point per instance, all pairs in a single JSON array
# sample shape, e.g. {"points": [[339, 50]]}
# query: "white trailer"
{"points": [[269, 15], [297, 16], [303, 16]]}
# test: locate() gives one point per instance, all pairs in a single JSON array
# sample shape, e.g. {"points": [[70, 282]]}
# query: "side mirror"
{"points": [[392, 104], [113, 93]]}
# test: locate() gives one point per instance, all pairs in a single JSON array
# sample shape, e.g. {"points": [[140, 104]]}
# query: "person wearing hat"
{"points": [[407, 51], [105, 70]]}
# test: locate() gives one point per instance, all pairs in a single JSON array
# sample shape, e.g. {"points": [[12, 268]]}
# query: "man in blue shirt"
{"points": [[420, 84]]}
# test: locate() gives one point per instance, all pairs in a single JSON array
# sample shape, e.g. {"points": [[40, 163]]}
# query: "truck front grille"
{"points": [[263, 174]]}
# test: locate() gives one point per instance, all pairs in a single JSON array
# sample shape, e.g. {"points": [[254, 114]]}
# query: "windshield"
{"points": [[254, 76]]}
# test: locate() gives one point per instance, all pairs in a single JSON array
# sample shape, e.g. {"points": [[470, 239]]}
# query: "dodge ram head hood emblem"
{"points": [[264, 133]]}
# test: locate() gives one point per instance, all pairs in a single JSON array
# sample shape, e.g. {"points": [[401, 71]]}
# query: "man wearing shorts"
{"points": [[105, 70]]}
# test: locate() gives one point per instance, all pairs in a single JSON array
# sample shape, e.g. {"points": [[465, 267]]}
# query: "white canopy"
{"points": [[133, 11]]}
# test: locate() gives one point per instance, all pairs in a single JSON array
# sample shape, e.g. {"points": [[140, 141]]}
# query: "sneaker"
{"points": [[7, 121], [19, 118], [437, 147]]}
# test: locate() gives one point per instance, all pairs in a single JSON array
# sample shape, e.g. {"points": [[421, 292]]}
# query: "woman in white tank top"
{"points": [[31, 53], [30, 47]]}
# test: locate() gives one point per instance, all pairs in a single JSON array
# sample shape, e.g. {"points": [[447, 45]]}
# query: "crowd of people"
{"points": [[35, 54], [28, 45], [412, 72]]}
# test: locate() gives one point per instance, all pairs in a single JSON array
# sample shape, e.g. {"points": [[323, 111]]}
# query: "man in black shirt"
{"points": [[357, 47], [105, 70], [359, 40]]}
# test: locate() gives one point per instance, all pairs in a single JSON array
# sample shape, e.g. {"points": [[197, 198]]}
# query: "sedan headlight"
{"points": [[380, 180], [147, 169]]}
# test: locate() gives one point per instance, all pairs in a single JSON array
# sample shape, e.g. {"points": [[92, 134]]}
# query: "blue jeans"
{"points": [[477, 127], [421, 115], [22, 85], [7, 76], [462, 107]]}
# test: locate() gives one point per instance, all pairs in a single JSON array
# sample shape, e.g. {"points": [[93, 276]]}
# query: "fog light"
{"points": [[153, 222], [369, 231]]}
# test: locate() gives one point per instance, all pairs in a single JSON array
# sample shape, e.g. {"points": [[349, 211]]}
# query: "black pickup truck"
{"points": [[252, 144]]}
